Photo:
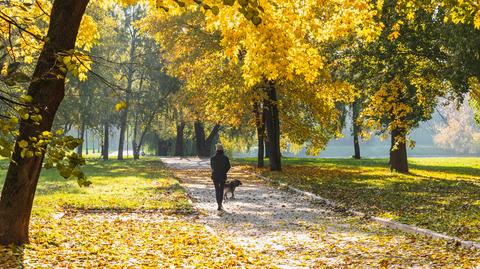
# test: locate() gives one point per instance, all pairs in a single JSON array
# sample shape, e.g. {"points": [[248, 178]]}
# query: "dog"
{"points": [[230, 188]]}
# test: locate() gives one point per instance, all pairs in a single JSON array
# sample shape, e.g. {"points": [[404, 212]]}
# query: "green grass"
{"points": [[116, 186], [442, 194]]}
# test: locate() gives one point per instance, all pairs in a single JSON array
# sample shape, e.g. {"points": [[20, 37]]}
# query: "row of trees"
{"points": [[389, 69], [285, 69]]}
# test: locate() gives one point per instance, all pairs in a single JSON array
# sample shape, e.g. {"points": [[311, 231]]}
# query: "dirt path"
{"points": [[300, 233]]}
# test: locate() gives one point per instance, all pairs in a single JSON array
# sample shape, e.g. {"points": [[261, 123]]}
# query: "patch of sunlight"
{"points": [[389, 215], [443, 202]]}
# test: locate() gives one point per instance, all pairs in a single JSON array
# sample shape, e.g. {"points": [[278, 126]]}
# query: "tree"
{"points": [[285, 55], [401, 74], [152, 96], [47, 91]]}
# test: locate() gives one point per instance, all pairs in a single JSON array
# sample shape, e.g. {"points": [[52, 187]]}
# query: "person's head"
{"points": [[219, 148]]}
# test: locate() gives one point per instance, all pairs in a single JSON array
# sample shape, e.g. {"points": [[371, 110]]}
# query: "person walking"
{"points": [[220, 165]]}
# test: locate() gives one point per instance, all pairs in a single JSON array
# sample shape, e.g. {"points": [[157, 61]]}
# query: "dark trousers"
{"points": [[219, 185]]}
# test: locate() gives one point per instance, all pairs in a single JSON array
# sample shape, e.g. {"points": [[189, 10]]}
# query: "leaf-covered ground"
{"points": [[442, 194], [135, 215], [295, 232]]}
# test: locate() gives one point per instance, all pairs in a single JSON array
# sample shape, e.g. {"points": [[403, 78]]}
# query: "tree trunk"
{"points": [[211, 139], [179, 140], [203, 145], [126, 138], [93, 142], [140, 143], [100, 147], [398, 154], [200, 139], [121, 137], [86, 141], [259, 120], [47, 90], [136, 150], [106, 141], [124, 112], [273, 128], [356, 129], [265, 137], [82, 137], [136, 155], [157, 148]]}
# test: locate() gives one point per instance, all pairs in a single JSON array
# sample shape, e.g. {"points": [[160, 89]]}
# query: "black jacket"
{"points": [[220, 165]]}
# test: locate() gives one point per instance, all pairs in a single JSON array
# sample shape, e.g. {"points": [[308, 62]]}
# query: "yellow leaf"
{"points": [[23, 144]]}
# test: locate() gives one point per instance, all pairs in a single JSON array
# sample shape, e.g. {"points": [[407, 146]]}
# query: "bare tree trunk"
{"points": [[106, 141], [398, 154], [136, 154], [140, 143], [265, 137], [137, 146], [47, 90], [81, 133], [179, 139], [273, 128], [86, 141], [100, 146], [123, 127], [259, 120], [200, 139], [356, 129]]}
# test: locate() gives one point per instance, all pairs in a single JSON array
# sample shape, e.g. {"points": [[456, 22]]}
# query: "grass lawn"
{"points": [[442, 194], [135, 214]]}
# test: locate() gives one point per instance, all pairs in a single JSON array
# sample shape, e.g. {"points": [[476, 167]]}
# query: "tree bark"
{"points": [[398, 154], [123, 127], [199, 138], [273, 128], [259, 120], [204, 145], [82, 137], [356, 129], [211, 139], [265, 137], [179, 141], [136, 155], [106, 141], [47, 90], [126, 138], [86, 141]]}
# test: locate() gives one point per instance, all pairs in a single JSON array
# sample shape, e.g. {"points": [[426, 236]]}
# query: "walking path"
{"points": [[301, 233]]}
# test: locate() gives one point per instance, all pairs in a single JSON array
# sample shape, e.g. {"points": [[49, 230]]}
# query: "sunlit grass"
{"points": [[439, 193], [116, 185]]}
